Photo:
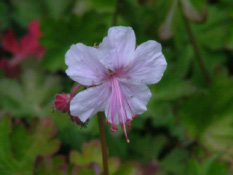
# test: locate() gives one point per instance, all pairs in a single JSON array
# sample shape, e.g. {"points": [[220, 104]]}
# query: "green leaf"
{"points": [[59, 9], [130, 168], [152, 146], [218, 168], [100, 6], [50, 166], [193, 167], [79, 170], [25, 145], [5, 147], [174, 161], [229, 40], [26, 11], [209, 166], [33, 96], [219, 136], [216, 29], [209, 162], [91, 152], [59, 35], [207, 115], [171, 88], [5, 17]]}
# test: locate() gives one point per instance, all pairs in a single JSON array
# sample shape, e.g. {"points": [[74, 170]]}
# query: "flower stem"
{"points": [[103, 142], [74, 90], [197, 52], [116, 12]]}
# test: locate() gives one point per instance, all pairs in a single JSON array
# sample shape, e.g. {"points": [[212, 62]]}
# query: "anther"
{"points": [[128, 124], [113, 128]]}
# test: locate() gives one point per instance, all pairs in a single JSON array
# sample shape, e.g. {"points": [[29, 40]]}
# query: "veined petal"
{"points": [[126, 100], [84, 65], [117, 115], [118, 47], [148, 65], [137, 96], [90, 101]]}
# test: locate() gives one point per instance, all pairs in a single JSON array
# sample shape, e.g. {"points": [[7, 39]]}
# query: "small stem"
{"points": [[74, 90], [103, 142], [117, 8], [197, 52]]}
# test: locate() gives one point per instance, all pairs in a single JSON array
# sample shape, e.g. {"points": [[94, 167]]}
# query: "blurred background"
{"points": [[188, 127]]}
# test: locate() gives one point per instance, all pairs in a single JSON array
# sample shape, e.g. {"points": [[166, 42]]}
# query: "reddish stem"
{"points": [[74, 90]]}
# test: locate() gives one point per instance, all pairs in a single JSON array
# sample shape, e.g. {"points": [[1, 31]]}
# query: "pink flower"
{"points": [[28, 46], [117, 75]]}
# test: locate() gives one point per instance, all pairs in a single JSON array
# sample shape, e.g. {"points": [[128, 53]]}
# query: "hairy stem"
{"points": [[103, 142], [197, 52]]}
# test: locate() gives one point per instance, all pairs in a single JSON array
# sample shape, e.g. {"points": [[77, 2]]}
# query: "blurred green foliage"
{"points": [[25, 144], [33, 96], [188, 127]]}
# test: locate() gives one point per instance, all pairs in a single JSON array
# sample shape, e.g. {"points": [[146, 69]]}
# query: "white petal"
{"points": [[108, 112], [90, 101], [134, 97], [149, 64], [84, 65], [116, 117], [118, 47], [137, 95]]}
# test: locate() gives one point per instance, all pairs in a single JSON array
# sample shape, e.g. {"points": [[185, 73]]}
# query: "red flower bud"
{"points": [[62, 102]]}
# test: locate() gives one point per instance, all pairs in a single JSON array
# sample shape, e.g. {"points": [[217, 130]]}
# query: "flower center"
{"points": [[110, 71]]}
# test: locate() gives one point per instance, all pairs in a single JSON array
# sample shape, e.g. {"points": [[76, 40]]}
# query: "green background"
{"points": [[188, 127]]}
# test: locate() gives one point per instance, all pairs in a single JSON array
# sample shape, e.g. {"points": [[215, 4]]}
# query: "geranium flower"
{"points": [[117, 75]]}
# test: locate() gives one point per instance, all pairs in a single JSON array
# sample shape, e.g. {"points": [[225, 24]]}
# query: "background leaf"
{"points": [[33, 96], [25, 145]]}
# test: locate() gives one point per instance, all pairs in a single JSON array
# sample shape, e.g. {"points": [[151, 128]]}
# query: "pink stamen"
{"points": [[113, 109], [107, 121], [133, 115], [118, 112], [130, 108], [118, 106], [128, 124], [122, 107], [127, 119]]}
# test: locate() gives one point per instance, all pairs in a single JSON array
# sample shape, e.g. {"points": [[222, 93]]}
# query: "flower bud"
{"points": [[62, 102]]}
